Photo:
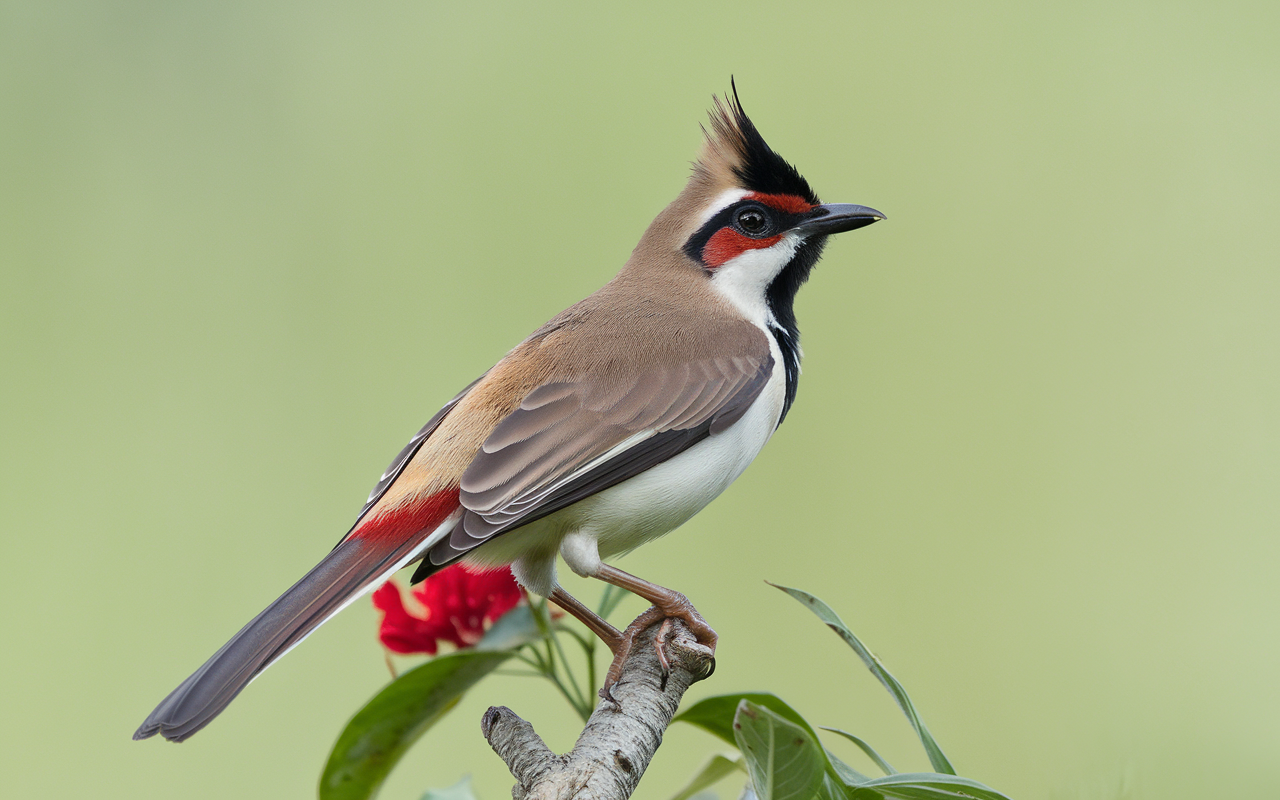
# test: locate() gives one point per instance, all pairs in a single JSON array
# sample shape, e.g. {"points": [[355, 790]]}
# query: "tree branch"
{"points": [[620, 738]]}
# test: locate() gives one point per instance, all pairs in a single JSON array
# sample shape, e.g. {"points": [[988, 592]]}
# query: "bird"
{"points": [[610, 426]]}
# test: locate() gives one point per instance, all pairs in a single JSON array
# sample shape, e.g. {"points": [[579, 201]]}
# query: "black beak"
{"points": [[837, 218]]}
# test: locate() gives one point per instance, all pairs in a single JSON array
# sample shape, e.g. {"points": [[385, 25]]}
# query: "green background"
{"points": [[248, 248]]}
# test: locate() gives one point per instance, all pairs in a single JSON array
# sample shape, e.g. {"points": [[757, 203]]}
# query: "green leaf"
{"points": [[832, 789], [379, 734], [847, 775], [717, 767], [459, 791], [866, 748], [936, 757], [924, 786], [513, 629], [785, 762], [715, 714]]}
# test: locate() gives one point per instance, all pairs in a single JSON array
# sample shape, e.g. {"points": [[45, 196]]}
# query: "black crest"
{"points": [[757, 165]]}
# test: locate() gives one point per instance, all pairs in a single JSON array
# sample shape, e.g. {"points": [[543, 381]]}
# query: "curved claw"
{"points": [[711, 669], [682, 610], [606, 693]]}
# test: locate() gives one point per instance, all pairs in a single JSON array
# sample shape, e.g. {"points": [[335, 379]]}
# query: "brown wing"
{"points": [[569, 440]]}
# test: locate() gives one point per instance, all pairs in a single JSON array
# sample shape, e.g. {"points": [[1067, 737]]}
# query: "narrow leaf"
{"points": [[610, 600], [866, 748], [785, 762], [380, 733], [848, 775], [925, 786], [717, 767], [459, 791], [936, 757]]}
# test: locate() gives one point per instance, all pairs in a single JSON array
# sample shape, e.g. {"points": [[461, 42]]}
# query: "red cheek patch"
{"points": [[783, 202], [727, 244]]}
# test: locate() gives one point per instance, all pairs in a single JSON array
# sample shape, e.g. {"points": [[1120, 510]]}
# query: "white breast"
{"points": [[663, 498]]}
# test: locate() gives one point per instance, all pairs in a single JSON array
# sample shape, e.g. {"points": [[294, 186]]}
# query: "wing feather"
{"points": [[569, 440]]}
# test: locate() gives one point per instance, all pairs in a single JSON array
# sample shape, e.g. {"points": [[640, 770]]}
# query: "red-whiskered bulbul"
{"points": [[611, 425]]}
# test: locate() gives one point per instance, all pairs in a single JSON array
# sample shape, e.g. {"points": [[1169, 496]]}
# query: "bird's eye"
{"points": [[752, 221]]}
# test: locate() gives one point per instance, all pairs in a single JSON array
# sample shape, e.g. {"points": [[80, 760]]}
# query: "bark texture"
{"points": [[621, 737]]}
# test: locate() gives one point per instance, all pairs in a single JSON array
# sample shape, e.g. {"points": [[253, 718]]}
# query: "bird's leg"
{"points": [[618, 642], [672, 604], [596, 623], [667, 605]]}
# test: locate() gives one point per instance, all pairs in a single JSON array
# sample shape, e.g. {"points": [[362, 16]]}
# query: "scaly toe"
{"points": [[625, 643]]}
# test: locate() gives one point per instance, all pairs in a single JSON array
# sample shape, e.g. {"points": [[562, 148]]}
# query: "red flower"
{"points": [[455, 605]]}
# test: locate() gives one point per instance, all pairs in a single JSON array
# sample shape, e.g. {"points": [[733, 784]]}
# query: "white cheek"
{"points": [[744, 280]]}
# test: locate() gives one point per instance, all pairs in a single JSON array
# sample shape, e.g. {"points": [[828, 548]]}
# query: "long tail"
{"points": [[352, 568]]}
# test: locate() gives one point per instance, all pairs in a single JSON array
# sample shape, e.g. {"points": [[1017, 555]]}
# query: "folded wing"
{"points": [[568, 440]]}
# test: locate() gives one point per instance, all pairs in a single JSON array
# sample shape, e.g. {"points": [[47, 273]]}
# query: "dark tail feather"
{"points": [[347, 571]]}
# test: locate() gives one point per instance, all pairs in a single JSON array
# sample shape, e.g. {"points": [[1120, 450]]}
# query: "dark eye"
{"points": [[752, 221]]}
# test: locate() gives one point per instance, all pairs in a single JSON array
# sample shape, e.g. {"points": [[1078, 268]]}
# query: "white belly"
{"points": [[661, 499]]}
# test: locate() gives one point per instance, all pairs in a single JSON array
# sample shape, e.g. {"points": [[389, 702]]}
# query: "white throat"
{"points": [[744, 280]]}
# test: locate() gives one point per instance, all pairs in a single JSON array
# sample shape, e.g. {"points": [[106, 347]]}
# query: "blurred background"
{"points": [[247, 249]]}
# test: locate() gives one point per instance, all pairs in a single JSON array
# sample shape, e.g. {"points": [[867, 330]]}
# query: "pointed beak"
{"points": [[837, 218]]}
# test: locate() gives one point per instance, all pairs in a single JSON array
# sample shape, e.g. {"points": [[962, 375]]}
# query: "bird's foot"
{"points": [[679, 608]]}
